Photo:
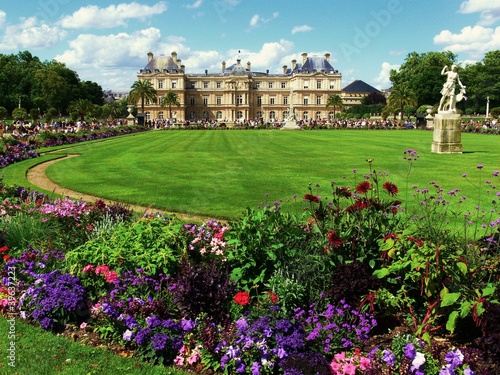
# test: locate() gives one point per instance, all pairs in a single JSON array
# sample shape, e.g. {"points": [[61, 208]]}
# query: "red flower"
{"points": [[311, 198], [273, 297], [242, 298], [333, 239], [4, 249], [6, 258], [111, 276], [363, 187], [343, 192], [390, 188]]}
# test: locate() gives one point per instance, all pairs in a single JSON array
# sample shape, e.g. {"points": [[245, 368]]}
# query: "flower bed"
{"points": [[354, 285]]}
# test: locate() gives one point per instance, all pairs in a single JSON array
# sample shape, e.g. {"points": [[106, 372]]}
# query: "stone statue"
{"points": [[291, 111], [449, 97]]}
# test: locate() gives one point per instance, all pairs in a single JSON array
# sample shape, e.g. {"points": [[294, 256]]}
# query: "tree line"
{"points": [[31, 88]]}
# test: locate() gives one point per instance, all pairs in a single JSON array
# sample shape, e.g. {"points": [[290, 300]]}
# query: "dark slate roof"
{"points": [[359, 86], [315, 64], [161, 63], [236, 69]]}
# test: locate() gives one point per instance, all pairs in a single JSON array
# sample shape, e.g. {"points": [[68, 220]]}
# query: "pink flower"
{"points": [[83, 325], [364, 363], [111, 276], [194, 358], [179, 361], [349, 369], [88, 268], [101, 269]]}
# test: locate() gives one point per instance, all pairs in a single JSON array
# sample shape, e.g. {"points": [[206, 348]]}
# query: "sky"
{"points": [[107, 41]]}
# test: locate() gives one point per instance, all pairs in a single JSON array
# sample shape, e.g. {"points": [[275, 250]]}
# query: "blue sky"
{"points": [[108, 41]]}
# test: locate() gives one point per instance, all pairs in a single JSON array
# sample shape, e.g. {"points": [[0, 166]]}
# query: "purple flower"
{"points": [[454, 358], [127, 335], [410, 351], [480, 166], [388, 357], [255, 368], [159, 341], [495, 173]]}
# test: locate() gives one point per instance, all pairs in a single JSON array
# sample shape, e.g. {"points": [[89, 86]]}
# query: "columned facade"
{"points": [[236, 93]]}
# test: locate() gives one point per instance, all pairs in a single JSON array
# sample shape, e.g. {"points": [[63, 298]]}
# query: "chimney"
{"points": [[179, 62], [206, 72], [267, 71], [150, 56], [304, 58], [294, 64], [183, 67], [174, 57], [327, 57], [223, 66], [284, 69], [249, 65]]}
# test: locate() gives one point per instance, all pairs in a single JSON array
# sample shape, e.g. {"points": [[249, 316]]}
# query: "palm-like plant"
{"points": [[142, 91], [81, 107], [170, 100], [335, 101], [402, 95]]}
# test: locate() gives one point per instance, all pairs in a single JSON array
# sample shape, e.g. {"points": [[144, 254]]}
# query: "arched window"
{"points": [[218, 115], [160, 115], [192, 115], [205, 114], [305, 116], [148, 116], [239, 115], [239, 99], [272, 115], [318, 115], [259, 114]]}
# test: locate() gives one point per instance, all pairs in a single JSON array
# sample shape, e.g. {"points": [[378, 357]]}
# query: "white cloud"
{"points": [[257, 20], [3, 16], [382, 81], [195, 5], [94, 17], [474, 41], [28, 33], [301, 29], [489, 10], [114, 60]]}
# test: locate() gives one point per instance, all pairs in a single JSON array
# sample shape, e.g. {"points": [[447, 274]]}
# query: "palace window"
{"points": [[332, 85], [306, 84], [272, 115], [318, 100], [239, 99], [318, 115], [160, 84], [191, 100], [283, 85], [205, 101], [205, 85], [270, 85], [218, 84], [160, 115], [239, 115], [259, 100], [285, 100], [272, 100], [306, 100], [219, 100], [305, 116], [318, 84], [174, 84]]}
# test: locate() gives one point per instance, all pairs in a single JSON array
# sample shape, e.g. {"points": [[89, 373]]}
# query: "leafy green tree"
{"points": [[19, 114], [374, 98], [81, 107], [422, 73], [400, 96], [117, 108], [92, 91], [335, 101], [34, 114], [3, 113], [483, 81], [169, 101], [142, 91]]}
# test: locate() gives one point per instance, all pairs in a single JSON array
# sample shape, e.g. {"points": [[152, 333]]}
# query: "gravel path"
{"points": [[36, 175]]}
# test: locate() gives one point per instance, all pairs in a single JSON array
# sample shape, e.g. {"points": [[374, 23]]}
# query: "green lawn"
{"points": [[220, 173], [34, 351]]}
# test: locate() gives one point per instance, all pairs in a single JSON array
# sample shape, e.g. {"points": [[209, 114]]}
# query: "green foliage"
{"points": [[19, 114], [152, 244], [3, 113], [142, 91], [263, 241]]}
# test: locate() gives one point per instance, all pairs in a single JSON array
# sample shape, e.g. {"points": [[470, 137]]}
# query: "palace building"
{"points": [[237, 93]]}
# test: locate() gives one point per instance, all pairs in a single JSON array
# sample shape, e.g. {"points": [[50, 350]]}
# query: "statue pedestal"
{"points": [[447, 134], [130, 120], [291, 125]]}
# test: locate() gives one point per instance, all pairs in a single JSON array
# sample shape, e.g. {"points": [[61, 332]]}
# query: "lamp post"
{"points": [[487, 106]]}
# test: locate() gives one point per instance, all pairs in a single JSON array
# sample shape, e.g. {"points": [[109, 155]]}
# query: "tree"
{"points": [[19, 114], [3, 113], [335, 101], [422, 73], [142, 91], [374, 98], [170, 100], [400, 96], [81, 107]]}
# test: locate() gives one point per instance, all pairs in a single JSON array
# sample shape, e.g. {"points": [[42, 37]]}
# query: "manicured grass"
{"points": [[220, 173], [43, 353]]}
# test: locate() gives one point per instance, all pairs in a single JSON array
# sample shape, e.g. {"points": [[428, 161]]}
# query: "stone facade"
{"points": [[236, 93]]}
